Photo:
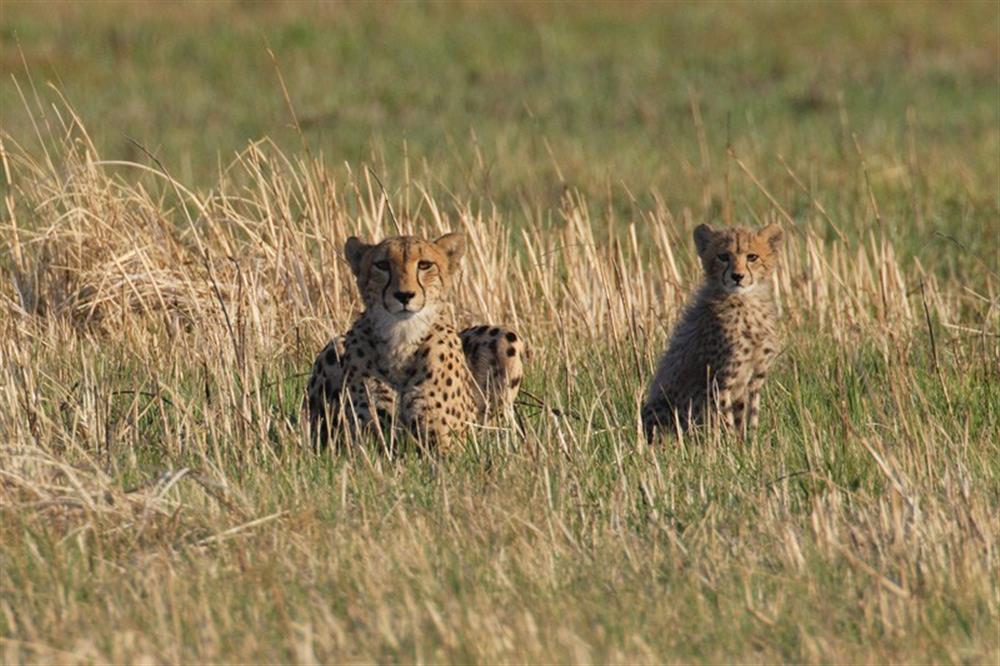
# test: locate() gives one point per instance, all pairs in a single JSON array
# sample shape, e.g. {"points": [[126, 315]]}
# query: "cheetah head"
{"points": [[738, 259], [404, 277]]}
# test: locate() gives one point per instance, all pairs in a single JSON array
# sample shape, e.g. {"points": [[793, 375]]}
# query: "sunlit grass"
{"points": [[157, 498]]}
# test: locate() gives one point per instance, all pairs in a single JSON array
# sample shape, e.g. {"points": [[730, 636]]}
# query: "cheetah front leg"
{"points": [[753, 414], [732, 399], [724, 405], [370, 406], [436, 402], [324, 391], [495, 356], [753, 393], [336, 397]]}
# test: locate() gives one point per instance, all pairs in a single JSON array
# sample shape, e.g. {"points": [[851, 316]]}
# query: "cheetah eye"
{"points": [[382, 265], [425, 265], [752, 258], [724, 256]]}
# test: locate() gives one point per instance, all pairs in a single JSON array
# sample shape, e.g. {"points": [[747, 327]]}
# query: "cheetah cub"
{"points": [[402, 362], [726, 340]]}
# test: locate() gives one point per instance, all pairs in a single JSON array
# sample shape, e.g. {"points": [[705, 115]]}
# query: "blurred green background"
{"points": [[510, 103]]}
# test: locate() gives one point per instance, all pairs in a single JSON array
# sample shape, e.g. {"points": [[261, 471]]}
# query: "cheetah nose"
{"points": [[404, 297], [737, 277]]}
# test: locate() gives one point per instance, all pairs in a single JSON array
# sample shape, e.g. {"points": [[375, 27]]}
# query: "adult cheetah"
{"points": [[725, 342], [402, 362]]}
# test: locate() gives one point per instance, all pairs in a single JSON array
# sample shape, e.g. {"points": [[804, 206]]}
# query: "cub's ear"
{"points": [[703, 237], [453, 245], [354, 252], [772, 235]]}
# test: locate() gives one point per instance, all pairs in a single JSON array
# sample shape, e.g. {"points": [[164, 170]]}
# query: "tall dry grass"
{"points": [[159, 503]]}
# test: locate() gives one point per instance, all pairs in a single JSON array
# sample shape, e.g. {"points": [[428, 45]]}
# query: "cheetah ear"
{"points": [[452, 245], [354, 251], [703, 236], [772, 235]]}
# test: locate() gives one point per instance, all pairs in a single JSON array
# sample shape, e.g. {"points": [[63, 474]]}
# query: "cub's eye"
{"points": [[752, 258], [724, 256], [425, 265], [382, 265]]}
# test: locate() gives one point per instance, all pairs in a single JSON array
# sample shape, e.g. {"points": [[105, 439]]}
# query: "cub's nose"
{"points": [[737, 277], [404, 297]]}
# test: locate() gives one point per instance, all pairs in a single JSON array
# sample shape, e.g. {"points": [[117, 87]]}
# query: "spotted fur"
{"points": [[724, 345], [402, 363]]}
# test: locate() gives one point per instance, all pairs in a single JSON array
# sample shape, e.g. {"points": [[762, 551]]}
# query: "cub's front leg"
{"points": [[732, 395], [761, 369]]}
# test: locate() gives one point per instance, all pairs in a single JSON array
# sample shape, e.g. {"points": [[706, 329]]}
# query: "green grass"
{"points": [[157, 499], [610, 554], [509, 105]]}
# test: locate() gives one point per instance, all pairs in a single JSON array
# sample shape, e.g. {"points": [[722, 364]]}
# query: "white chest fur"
{"points": [[401, 338]]}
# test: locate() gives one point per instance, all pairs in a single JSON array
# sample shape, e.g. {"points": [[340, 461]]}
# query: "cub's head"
{"points": [[738, 259], [405, 276]]}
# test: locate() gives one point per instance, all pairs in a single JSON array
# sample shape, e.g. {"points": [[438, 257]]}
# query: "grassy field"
{"points": [[177, 185]]}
